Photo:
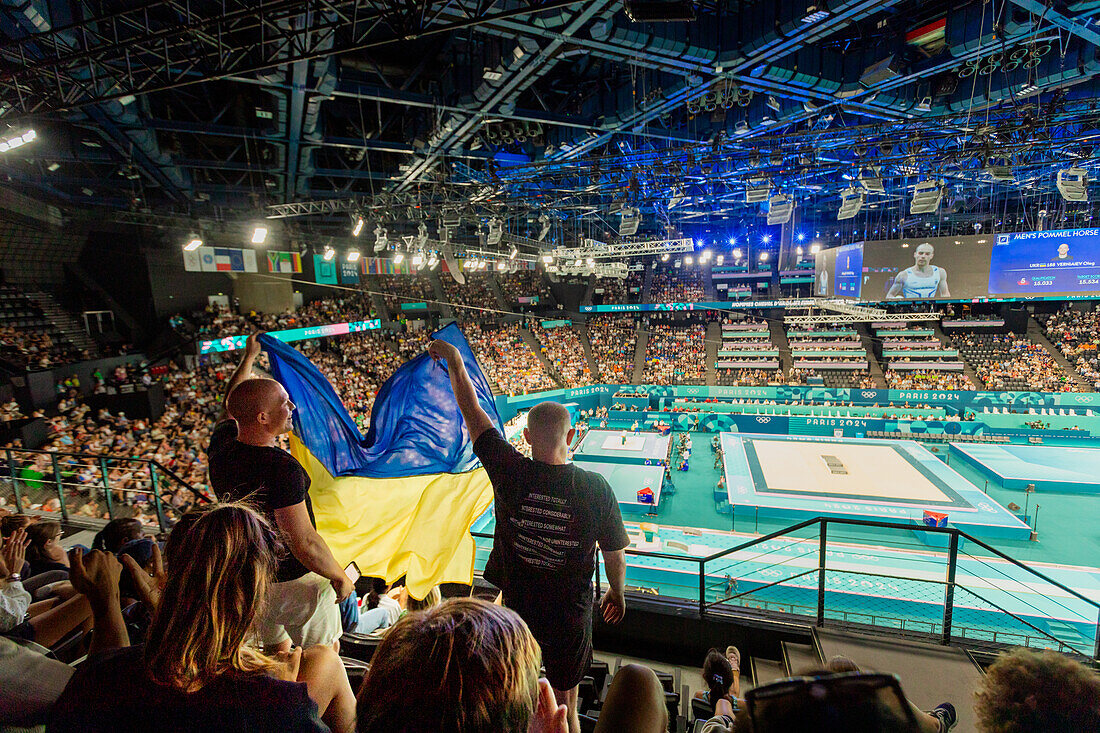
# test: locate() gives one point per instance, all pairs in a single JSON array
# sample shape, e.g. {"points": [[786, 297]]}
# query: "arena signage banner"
{"points": [[232, 343], [709, 305]]}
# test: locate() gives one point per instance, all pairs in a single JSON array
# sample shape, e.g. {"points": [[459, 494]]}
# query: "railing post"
{"points": [[821, 575], [60, 487], [14, 481], [1096, 648], [702, 589], [107, 488], [156, 495], [949, 600]]}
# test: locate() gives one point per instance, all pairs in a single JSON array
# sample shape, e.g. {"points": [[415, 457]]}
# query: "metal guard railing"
{"points": [[939, 605], [149, 484]]}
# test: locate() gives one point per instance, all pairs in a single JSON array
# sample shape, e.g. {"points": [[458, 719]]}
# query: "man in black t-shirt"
{"points": [[246, 465], [550, 515]]}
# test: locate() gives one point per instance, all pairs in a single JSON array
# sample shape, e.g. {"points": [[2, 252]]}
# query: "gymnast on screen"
{"points": [[921, 281], [1063, 254]]}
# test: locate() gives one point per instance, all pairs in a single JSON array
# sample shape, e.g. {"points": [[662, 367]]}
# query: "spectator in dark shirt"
{"points": [[246, 464], [196, 672], [550, 515]]}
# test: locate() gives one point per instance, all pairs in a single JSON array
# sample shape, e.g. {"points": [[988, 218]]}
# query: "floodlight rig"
{"points": [[601, 250]]}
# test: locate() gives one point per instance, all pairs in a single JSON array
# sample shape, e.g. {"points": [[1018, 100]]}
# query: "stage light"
{"points": [[194, 241], [417, 259], [1073, 184], [329, 254], [851, 201], [798, 250], [513, 253], [780, 209], [496, 232], [591, 262], [547, 259], [736, 254], [766, 239], [733, 241], [381, 238], [433, 262], [926, 197], [259, 235], [664, 257], [631, 218], [358, 227], [700, 243], [483, 264], [719, 259], [578, 263], [501, 267], [398, 258], [353, 255], [688, 260], [815, 248], [11, 142], [763, 256], [801, 237], [757, 190], [815, 13]]}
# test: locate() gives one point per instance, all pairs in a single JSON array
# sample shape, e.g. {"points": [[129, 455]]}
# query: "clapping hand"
{"points": [[14, 553], [148, 586], [95, 574]]}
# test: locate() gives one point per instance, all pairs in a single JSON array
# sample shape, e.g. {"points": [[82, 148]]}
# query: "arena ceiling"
{"points": [[316, 112]]}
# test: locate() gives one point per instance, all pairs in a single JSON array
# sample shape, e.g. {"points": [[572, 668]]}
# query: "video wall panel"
{"points": [[1021, 264]]}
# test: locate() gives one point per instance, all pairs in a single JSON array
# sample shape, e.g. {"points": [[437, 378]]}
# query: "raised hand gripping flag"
{"points": [[401, 500]]}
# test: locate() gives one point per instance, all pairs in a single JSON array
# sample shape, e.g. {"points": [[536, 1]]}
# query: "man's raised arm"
{"points": [[243, 370], [477, 420]]}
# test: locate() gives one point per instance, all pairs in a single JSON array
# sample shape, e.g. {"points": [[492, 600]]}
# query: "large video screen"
{"points": [[1030, 264], [1065, 262]]}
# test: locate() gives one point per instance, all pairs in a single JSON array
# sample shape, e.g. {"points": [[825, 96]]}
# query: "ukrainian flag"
{"points": [[401, 500]]}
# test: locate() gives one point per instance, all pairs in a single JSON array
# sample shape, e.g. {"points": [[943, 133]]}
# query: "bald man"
{"points": [[246, 464], [550, 515]]}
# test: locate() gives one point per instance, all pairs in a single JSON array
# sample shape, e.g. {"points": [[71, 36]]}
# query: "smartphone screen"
{"points": [[352, 571]]}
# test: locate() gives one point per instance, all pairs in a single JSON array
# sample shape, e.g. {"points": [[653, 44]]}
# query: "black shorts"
{"points": [[565, 640]]}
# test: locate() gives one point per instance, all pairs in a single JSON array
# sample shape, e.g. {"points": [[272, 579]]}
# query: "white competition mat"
{"points": [[633, 443]]}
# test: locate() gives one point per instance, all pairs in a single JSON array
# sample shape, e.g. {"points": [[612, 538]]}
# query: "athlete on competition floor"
{"points": [[921, 281]]}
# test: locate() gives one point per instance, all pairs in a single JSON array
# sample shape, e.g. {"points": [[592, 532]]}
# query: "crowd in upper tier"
{"points": [[562, 347], [1075, 333]]}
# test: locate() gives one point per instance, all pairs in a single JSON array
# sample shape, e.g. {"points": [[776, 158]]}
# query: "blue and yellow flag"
{"points": [[401, 500]]}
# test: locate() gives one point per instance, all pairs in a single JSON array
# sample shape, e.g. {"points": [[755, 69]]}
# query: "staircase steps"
{"points": [[714, 338], [589, 355], [779, 338], [536, 348], [70, 328], [799, 657], [874, 366], [639, 354], [437, 288], [498, 292], [767, 670]]}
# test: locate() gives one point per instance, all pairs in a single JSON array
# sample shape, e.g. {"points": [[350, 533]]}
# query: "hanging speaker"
{"points": [[452, 265]]}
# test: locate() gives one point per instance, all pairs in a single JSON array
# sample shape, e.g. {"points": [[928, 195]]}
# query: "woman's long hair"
{"points": [[718, 674], [40, 533], [217, 581]]}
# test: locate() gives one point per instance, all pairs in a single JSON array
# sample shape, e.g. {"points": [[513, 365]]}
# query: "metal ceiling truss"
{"points": [[596, 250], [163, 45]]}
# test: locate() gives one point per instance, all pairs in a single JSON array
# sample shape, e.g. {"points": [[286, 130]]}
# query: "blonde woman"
{"points": [[196, 671]]}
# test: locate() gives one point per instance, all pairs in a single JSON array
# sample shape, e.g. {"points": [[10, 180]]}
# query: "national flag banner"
{"points": [[284, 262], [400, 500], [228, 260], [192, 261], [324, 271], [349, 272], [384, 266], [249, 260]]}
